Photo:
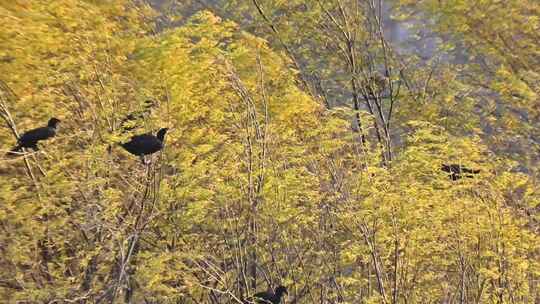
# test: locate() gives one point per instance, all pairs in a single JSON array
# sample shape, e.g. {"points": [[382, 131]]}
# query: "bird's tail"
{"points": [[112, 145]]}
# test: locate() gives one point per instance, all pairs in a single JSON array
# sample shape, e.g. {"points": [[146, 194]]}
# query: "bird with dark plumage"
{"points": [[30, 139], [458, 171], [145, 144], [269, 297]]}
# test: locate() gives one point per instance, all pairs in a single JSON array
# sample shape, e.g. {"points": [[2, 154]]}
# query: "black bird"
{"points": [[458, 171], [30, 139], [269, 297], [145, 144]]}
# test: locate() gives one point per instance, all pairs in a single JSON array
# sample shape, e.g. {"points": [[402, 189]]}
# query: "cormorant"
{"points": [[30, 139], [145, 144], [269, 297], [458, 171]]}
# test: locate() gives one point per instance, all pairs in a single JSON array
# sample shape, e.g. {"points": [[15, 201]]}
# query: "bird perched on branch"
{"points": [[30, 139], [458, 171], [145, 144], [269, 297]]}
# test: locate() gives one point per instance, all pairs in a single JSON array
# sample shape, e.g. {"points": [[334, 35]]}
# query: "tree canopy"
{"points": [[304, 149]]}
